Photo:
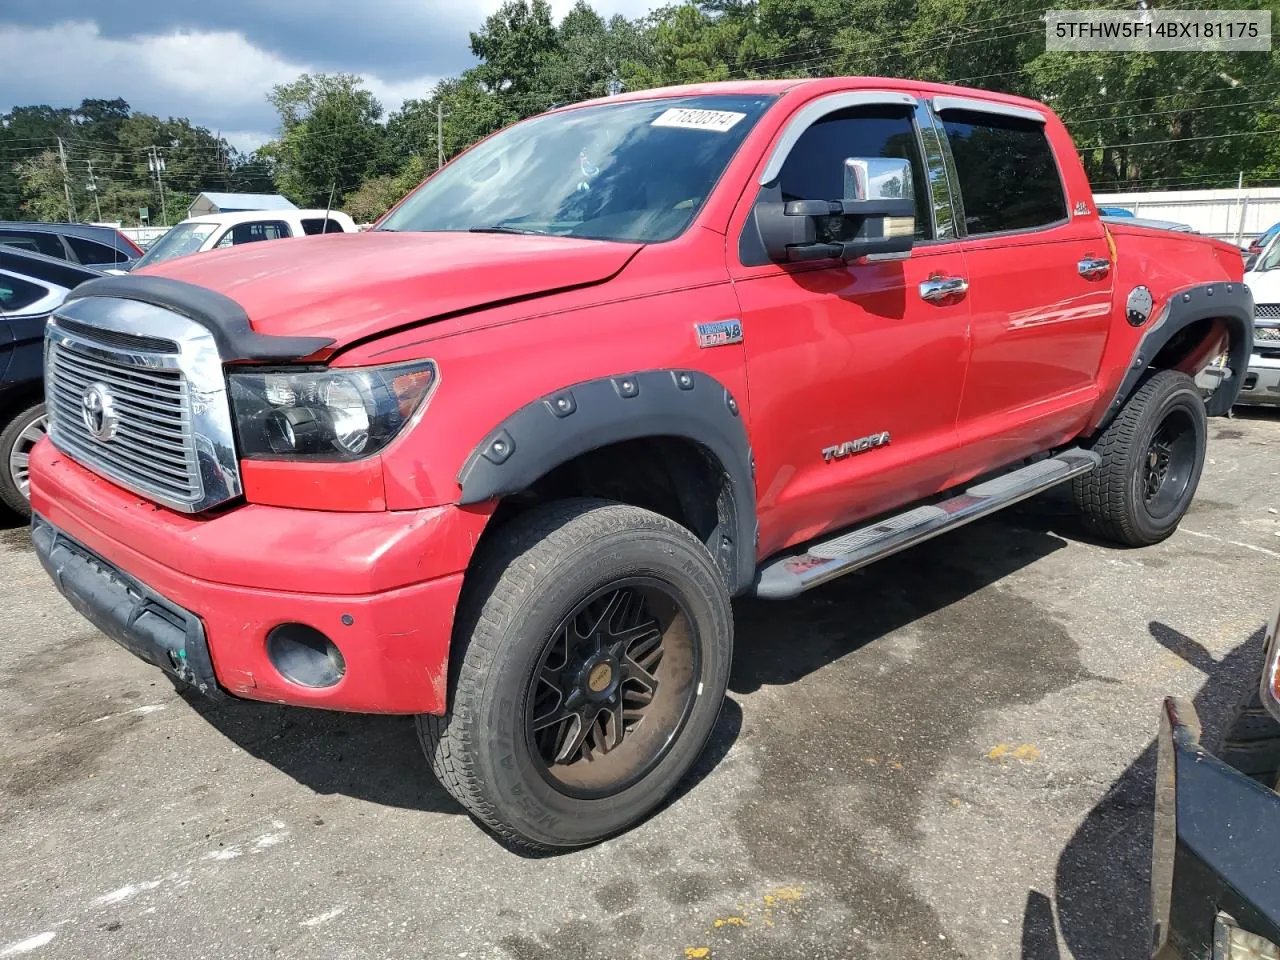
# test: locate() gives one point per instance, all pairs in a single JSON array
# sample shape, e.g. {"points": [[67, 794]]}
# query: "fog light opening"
{"points": [[305, 656]]}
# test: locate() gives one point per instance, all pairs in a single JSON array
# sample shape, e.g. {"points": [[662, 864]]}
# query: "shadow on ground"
{"points": [[1104, 873], [780, 642], [378, 758]]}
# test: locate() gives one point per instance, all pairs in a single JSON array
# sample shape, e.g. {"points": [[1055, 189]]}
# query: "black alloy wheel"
{"points": [[613, 688], [1170, 463]]}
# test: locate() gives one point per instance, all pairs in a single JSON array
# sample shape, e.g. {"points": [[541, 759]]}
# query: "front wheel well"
{"points": [[672, 476]]}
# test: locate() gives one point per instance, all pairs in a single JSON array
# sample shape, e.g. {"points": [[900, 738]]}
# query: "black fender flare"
{"points": [[1230, 302], [560, 426]]}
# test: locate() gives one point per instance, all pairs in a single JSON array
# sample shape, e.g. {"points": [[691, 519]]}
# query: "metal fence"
{"points": [[143, 235], [1236, 216]]}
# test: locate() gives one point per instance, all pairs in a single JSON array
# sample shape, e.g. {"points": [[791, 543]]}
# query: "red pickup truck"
{"points": [[502, 462]]}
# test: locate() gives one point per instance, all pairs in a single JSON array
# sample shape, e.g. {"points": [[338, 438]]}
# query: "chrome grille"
{"points": [[126, 341], [136, 393], [150, 451], [1267, 333], [1266, 311]]}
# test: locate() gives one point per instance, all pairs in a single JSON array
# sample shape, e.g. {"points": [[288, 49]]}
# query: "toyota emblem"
{"points": [[98, 409]]}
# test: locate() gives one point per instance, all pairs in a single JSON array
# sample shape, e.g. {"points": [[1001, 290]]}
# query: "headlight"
{"points": [[326, 414]]}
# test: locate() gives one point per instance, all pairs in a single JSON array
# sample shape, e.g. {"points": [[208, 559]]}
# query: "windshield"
{"points": [[183, 239], [636, 171], [1269, 259]]}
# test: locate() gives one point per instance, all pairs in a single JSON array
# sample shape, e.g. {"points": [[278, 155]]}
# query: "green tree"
{"points": [[517, 45], [106, 146], [330, 139], [377, 194], [43, 197], [594, 54], [688, 44], [470, 113], [25, 133]]}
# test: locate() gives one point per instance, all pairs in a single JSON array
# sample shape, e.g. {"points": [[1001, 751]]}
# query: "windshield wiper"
{"points": [[500, 228]]}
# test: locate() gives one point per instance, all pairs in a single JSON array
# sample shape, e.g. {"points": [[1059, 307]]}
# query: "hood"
{"points": [[346, 286]]}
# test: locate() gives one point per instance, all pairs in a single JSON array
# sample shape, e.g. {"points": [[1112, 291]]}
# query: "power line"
{"points": [[1179, 110], [1152, 143]]}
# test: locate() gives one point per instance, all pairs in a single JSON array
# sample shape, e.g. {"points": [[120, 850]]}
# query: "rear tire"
{"points": [[16, 442], [1152, 455], [589, 663]]}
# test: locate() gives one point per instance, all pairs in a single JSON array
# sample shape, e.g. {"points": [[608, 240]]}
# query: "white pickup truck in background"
{"points": [[1262, 380], [217, 230]]}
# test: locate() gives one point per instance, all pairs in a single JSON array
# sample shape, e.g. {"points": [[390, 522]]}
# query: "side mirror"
{"points": [[876, 216]]}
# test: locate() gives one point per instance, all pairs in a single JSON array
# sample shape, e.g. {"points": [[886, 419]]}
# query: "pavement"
{"points": [[946, 755]]}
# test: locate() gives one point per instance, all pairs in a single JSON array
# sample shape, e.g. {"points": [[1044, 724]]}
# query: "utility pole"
{"points": [[92, 187], [1242, 202], [155, 163], [66, 182], [222, 161], [439, 133]]}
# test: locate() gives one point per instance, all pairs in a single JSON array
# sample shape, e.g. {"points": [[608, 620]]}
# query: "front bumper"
{"points": [[1261, 381], [382, 587], [1215, 847], [129, 612]]}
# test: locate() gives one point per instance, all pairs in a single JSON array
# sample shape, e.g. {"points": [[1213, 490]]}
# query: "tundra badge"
{"points": [[721, 333], [861, 445]]}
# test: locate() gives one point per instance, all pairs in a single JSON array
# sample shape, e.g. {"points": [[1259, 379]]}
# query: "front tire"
{"points": [[1152, 455], [16, 442], [590, 659]]}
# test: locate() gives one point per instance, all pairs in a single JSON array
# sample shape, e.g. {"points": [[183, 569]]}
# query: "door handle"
{"points": [[937, 289], [1091, 268]]}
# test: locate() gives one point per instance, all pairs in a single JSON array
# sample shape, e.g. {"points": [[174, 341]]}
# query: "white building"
{"points": [[210, 202]]}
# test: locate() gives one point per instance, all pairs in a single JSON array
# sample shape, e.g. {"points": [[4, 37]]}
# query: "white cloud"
{"points": [[219, 67], [217, 78]]}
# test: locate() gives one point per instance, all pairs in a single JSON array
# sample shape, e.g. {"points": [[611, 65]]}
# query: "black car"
{"points": [[102, 248], [1215, 866], [31, 287]]}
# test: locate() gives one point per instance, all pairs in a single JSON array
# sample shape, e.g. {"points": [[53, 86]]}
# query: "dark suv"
{"points": [[31, 286], [101, 248]]}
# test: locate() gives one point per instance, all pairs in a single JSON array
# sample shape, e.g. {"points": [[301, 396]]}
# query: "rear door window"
{"points": [[1008, 176], [313, 225], [17, 294], [47, 243], [254, 232], [90, 251]]}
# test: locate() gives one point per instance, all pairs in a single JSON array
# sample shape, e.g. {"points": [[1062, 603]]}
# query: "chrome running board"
{"points": [[825, 560]]}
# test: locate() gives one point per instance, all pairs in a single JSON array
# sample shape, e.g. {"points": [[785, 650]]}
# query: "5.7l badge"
{"points": [[861, 445]]}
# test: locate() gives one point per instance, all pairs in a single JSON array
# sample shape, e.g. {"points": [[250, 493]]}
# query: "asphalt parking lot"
{"points": [[947, 755]]}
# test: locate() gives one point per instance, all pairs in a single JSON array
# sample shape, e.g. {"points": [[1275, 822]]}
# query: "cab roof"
{"points": [[290, 214], [812, 86]]}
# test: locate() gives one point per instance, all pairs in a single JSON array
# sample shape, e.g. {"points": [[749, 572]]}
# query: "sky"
{"points": [[214, 61]]}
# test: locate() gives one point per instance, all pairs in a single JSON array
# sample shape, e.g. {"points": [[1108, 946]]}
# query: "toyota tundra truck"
{"points": [[502, 462]]}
